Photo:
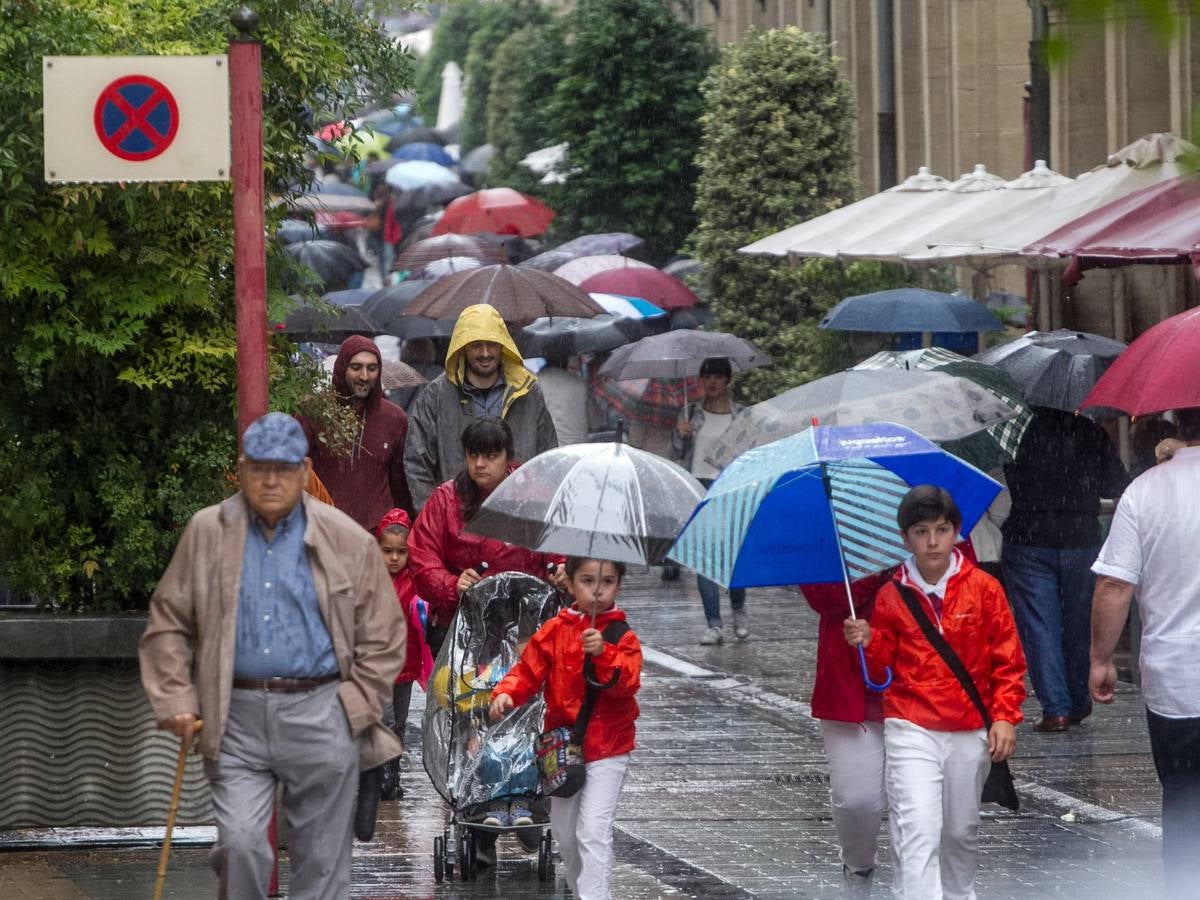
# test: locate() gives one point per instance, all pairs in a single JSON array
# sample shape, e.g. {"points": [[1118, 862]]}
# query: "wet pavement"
{"points": [[727, 796]]}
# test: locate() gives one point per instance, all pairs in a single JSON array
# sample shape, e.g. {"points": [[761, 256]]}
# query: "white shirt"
{"points": [[715, 425], [566, 398], [1153, 544]]}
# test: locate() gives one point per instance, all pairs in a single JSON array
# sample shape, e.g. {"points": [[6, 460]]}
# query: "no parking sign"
{"points": [[136, 118]]}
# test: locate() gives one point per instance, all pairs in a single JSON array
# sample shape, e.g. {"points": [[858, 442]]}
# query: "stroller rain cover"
{"points": [[469, 759]]}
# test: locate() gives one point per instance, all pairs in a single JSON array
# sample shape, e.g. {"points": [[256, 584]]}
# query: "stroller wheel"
{"points": [[464, 862], [439, 860], [545, 862], [470, 863]]}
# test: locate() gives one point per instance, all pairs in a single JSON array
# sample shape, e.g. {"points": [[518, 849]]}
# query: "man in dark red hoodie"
{"points": [[368, 480]]}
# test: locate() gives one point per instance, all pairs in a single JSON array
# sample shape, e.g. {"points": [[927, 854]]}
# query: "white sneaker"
{"points": [[711, 636], [739, 624]]}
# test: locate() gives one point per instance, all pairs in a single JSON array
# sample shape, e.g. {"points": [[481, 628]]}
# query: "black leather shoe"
{"points": [[1052, 723], [1076, 718]]}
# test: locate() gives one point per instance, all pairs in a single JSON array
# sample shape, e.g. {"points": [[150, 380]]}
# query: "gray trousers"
{"points": [[301, 742]]}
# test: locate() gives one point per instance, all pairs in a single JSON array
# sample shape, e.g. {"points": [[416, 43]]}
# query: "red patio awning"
{"points": [[1160, 223]]}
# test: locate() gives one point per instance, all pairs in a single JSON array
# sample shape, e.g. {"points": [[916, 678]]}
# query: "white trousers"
{"points": [[934, 779], [857, 790], [582, 825]]}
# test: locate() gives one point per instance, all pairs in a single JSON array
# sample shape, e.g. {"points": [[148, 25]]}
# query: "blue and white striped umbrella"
{"points": [[820, 505]]}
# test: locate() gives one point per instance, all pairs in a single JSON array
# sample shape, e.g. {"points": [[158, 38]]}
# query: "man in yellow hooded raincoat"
{"points": [[484, 376]]}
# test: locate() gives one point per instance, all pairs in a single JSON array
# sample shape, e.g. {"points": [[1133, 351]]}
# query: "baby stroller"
{"points": [[471, 761]]}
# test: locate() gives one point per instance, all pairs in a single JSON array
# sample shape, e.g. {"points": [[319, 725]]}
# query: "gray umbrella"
{"points": [[678, 354], [1055, 368], [600, 244], [479, 160], [549, 260], [937, 406], [327, 323], [604, 501]]}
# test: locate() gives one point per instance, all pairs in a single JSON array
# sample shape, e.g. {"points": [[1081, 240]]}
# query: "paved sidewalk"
{"points": [[728, 793]]}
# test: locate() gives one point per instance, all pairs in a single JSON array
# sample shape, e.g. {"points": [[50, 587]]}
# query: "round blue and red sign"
{"points": [[136, 118]]}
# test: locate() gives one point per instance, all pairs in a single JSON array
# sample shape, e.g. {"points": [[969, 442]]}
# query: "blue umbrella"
{"points": [[820, 506], [422, 151], [910, 309]]}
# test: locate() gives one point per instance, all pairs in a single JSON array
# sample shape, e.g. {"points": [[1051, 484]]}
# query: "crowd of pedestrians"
{"points": [[296, 629]]}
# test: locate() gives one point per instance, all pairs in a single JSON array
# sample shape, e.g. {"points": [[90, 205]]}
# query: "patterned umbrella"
{"points": [[580, 270], [938, 406], [997, 444], [520, 295], [843, 483], [649, 401]]}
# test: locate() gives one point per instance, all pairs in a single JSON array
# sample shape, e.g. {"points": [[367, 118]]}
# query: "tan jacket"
{"points": [[193, 618]]}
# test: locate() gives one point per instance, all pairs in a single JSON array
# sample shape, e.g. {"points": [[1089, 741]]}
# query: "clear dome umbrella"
{"points": [[603, 501]]}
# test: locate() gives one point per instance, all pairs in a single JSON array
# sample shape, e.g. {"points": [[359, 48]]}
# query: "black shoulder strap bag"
{"points": [[999, 786]]}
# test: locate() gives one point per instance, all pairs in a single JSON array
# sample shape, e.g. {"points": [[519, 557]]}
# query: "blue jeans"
{"points": [[710, 596], [1051, 595]]}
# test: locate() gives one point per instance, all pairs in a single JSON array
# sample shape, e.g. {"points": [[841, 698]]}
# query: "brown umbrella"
{"points": [[424, 252], [520, 294]]}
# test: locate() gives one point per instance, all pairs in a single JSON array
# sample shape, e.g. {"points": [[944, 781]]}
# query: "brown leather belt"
{"points": [[282, 685]]}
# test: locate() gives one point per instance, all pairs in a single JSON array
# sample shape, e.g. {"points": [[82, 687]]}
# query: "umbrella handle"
{"points": [[887, 677]]}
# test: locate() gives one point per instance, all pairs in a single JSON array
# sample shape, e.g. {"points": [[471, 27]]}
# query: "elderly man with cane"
{"points": [[277, 623]]}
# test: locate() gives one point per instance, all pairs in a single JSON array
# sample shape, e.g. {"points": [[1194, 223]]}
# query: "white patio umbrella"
{"points": [[450, 101], [890, 242], [824, 235], [950, 242]]}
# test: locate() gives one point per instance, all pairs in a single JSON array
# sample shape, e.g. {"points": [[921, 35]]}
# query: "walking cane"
{"points": [[185, 744]]}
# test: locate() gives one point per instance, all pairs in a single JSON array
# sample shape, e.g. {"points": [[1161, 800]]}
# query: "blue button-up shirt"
{"points": [[280, 631]]}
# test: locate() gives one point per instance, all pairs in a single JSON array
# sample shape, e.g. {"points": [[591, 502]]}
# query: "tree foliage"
{"points": [[777, 149], [628, 105], [525, 72], [497, 21], [116, 301], [451, 41]]}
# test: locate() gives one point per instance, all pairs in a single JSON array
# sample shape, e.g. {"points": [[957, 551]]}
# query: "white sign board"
{"points": [[136, 118]]}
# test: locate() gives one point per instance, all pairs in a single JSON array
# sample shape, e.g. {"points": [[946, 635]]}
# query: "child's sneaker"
{"points": [[739, 624], [712, 635], [518, 814], [497, 816]]}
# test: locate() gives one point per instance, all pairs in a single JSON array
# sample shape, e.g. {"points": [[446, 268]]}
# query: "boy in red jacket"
{"points": [[938, 754], [582, 823]]}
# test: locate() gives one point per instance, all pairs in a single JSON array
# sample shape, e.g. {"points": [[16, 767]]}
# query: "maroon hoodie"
{"points": [[370, 480]]}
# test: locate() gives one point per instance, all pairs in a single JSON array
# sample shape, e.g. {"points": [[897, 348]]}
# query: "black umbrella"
{"points": [[678, 354], [333, 262], [293, 231], [561, 336], [322, 323], [387, 309], [1055, 368]]}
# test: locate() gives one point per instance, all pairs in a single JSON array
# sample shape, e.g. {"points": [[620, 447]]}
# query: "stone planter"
{"points": [[77, 737]]}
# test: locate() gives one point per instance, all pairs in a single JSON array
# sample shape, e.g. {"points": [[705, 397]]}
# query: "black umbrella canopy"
{"points": [[1055, 368], [679, 354], [563, 336], [321, 324], [334, 262], [387, 309], [293, 231]]}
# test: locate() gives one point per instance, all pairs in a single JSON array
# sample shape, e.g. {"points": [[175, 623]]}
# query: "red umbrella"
{"points": [[1158, 371], [1159, 223], [651, 401], [648, 284], [496, 210]]}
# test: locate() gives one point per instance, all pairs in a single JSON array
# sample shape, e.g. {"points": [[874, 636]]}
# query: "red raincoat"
{"points": [[402, 581], [554, 659], [439, 551], [978, 625]]}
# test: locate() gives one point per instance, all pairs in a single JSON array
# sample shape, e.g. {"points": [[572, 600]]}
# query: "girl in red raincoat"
{"points": [[392, 534], [553, 659]]}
